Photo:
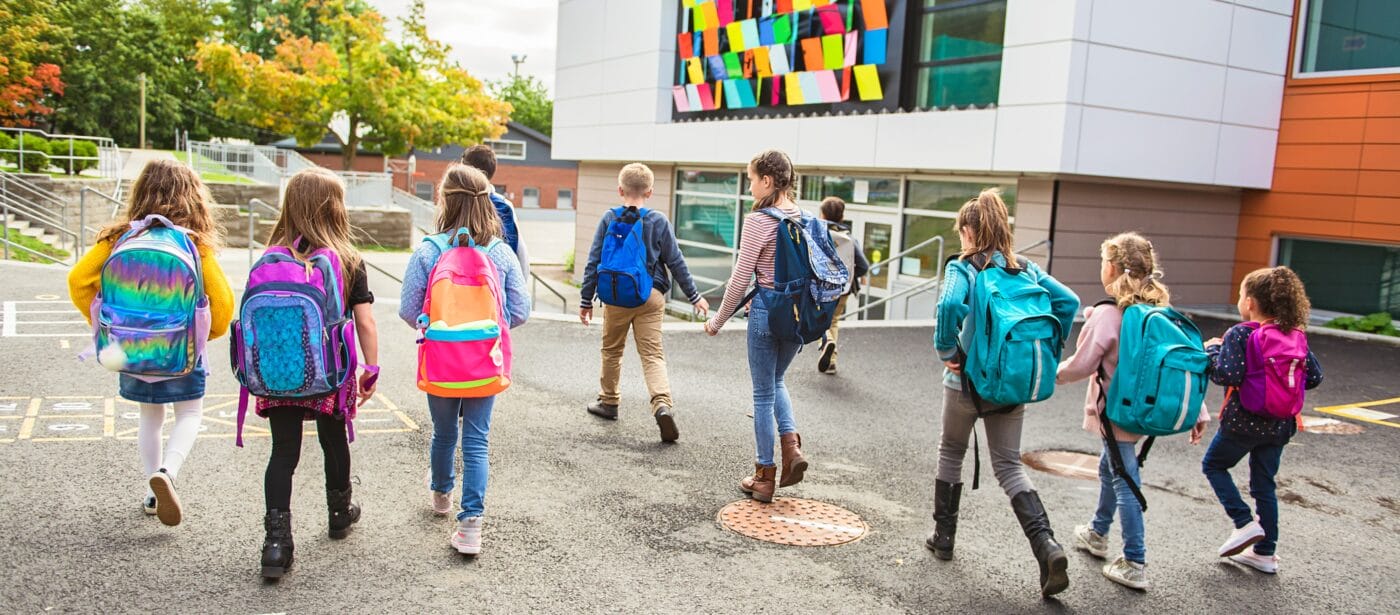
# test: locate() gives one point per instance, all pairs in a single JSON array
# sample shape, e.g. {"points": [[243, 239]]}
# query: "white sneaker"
{"points": [[1267, 564], [1086, 539], [442, 503], [1126, 573], [1242, 538], [167, 503], [467, 539]]}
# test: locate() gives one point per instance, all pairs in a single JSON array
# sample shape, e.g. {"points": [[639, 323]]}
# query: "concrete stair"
{"points": [[28, 229]]}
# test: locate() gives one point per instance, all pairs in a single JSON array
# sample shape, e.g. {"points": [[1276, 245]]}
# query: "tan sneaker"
{"points": [[1086, 539], [1128, 574], [167, 503]]}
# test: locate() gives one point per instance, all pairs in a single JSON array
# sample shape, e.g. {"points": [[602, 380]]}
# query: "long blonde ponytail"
{"points": [[1140, 280]]}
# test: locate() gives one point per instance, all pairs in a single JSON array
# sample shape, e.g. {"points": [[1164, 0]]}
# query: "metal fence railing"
{"points": [[424, 212], [63, 152]]}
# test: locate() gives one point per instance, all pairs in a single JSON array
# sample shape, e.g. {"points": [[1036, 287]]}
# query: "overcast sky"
{"points": [[484, 33]]}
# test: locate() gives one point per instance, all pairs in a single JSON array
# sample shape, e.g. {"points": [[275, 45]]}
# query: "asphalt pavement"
{"points": [[585, 515]]}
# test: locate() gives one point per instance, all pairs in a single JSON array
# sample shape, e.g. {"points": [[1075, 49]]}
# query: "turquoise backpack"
{"points": [[1160, 382], [1015, 349]]}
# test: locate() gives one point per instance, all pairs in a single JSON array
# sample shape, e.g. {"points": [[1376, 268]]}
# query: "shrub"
{"points": [[6, 142], [36, 158], [569, 261], [81, 149], [1379, 323]]}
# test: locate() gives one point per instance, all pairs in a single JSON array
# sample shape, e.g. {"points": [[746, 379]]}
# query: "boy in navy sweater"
{"points": [[662, 254]]}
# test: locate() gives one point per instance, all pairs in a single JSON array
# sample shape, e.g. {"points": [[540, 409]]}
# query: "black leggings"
{"points": [[286, 452]]}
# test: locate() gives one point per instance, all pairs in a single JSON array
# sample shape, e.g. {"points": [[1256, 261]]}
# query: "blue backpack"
{"points": [[623, 278], [1160, 382], [808, 279], [1012, 357]]}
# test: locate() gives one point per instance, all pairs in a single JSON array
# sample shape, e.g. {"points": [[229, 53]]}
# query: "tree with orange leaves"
{"points": [[27, 84]]}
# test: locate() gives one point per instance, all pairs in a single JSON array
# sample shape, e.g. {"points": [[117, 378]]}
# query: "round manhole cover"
{"points": [[1069, 464], [793, 521], [1322, 424]]}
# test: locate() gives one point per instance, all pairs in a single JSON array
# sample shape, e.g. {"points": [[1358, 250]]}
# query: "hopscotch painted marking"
{"points": [[79, 418], [16, 314], [1363, 412]]}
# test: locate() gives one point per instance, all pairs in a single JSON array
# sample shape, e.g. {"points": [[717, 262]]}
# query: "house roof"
{"points": [[329, 144]]}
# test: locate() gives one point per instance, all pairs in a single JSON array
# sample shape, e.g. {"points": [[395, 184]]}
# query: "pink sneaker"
{"points": [[442, 503], [1267, 564], [467, 539], [1241, 538]]}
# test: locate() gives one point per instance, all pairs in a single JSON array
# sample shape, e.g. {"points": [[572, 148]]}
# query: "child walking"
{"points": [[772, 181], [173, 192], [483, 158], [1260, 362], [466, 216], [314, 218], [632, 251], [984, 228], [1130, 275], [833, 213]]}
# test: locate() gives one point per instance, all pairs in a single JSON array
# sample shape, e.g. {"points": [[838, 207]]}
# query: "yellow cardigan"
{"points": [[85, 279]]}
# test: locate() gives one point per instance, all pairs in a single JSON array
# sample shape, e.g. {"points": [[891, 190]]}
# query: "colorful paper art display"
{"points": [[738, 54]]}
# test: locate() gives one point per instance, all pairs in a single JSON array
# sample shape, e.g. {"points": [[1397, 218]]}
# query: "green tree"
{"points": [[530, 102], [29, 80], [367, 90], [259, 26]]}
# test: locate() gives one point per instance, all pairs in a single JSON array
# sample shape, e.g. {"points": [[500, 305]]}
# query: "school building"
{"points": [[1236, 134]]}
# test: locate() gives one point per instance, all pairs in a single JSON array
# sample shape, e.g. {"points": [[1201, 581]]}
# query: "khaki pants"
{"points": [[836, 320], [645, 323]]}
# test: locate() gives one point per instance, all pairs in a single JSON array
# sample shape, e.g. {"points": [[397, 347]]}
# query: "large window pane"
{"points": [[709, 268], [924, 262], [706, 219], [1346, 277], [960, 85], [963, 32], [950, 196], [708, 181], [853, 190], [1351, 35]]}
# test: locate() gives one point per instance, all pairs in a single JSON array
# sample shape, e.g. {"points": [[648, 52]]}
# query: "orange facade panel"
{"points": [[1388, 233], [1325, 106], [1303, 206], [1315, 156], [1380, 157], [1384, 103], [1378, 183], [1378, 210], [1323, 131], [1382, 130], [1315, 181], [1259, 227]]}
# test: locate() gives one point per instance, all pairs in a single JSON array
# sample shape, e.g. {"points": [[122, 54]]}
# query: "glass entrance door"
{"points": [[876, 234]]}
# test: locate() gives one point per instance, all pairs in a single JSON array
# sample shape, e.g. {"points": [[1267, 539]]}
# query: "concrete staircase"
{"points": [[28, 229]]}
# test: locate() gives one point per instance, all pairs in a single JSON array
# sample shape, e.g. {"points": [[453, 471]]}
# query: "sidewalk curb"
{"points": [[1320, 330]]}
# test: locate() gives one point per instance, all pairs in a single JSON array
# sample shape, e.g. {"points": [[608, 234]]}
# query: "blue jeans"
{"points": [[1115, 494], [474, 416], [1225, 451], [769, 359]]}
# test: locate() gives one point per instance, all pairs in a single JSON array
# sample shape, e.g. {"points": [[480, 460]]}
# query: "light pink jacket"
{"points": [[1098, 345]]}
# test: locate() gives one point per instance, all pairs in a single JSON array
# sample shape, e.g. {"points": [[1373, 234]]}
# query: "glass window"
{"points": [[1346, 277], [877, 191], [950, 196], [708, 181], [709, 268], [566, 198], [707, 219], [959, 59], [530, 198], [1346, 35], [511, 150], [423, 190], [925, 262]]}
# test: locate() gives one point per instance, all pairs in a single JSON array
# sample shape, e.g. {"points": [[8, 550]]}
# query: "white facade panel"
{"points": [[1239, 162], [1042, 21], [953, 140], [837, 141], [576, 112], [578, 81], [1138, 81], [1138, 145], [1032, 138], [1042, 73], [1253, 99], [581, 21], [636, 72], [630, 26], [1193, 29], [1256, 38], [1282, 7]]}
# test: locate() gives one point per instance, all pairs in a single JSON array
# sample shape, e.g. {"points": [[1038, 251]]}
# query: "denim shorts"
{"points": [[183, 388]]}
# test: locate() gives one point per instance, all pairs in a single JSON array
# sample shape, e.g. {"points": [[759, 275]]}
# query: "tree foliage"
{"points": [[530, 102], [367, 90], [29, 80]]}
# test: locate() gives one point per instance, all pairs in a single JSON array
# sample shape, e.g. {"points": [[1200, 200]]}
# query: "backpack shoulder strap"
{"points": [[439, 240]]}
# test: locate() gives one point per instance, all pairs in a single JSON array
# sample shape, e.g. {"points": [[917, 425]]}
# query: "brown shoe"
{"points": [[760, 486], [794, 464]]}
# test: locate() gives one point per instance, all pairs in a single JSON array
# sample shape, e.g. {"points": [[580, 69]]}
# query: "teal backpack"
{"points": [[1160, 383], [1015, 349]]}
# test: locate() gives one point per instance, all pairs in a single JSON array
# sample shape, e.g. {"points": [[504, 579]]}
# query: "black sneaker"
{"points": [[827, 363], [667, 423], [607, 411]]}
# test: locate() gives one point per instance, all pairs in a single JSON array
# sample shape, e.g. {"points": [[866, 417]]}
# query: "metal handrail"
{"points": [[5, 237], [257, 202], [924, 286], [935, 239], [37, 214], [82, 213], [535, 280]]}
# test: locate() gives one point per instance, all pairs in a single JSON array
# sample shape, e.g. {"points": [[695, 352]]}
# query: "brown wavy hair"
{"points": [[1141, 280], [313, 210], [173, 190], [775, 164], [1279, 295], [990, 222], [464, 200]]}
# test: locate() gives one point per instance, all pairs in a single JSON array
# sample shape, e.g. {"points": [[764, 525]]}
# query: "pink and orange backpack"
{"points": [[464, 350]]}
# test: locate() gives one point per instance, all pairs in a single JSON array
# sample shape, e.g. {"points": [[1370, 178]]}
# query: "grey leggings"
{"points": [[1003, 442]]}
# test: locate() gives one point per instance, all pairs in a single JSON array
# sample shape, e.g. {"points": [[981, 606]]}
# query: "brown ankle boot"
{"points": [[760, 486], [794, 464]]}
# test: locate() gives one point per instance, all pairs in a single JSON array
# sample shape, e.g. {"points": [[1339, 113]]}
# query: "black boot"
{"points": [[945, 519], [344, 513], [277, 546], [1053, 576]]}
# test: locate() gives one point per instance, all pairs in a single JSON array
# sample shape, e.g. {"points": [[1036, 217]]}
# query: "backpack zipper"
{"points": [[1292, 374]]}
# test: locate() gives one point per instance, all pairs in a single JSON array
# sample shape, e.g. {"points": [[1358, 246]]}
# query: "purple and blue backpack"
{"points": [[292, 339], [1276, 371]]}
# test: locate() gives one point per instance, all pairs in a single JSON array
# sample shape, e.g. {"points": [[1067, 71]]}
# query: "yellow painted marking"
{"points": [[74, 397], [70, 439], [407, 421], [109, 420], [63, 344], [64, 417], [385, 400], [1341, 411], [27, 428]]}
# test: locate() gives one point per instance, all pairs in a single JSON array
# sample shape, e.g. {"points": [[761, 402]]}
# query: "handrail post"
{"points": [[82, 221], [6, 208], [252, 228]]}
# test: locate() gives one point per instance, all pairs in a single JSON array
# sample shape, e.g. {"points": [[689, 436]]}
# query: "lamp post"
{"points": [[518, 59]]}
